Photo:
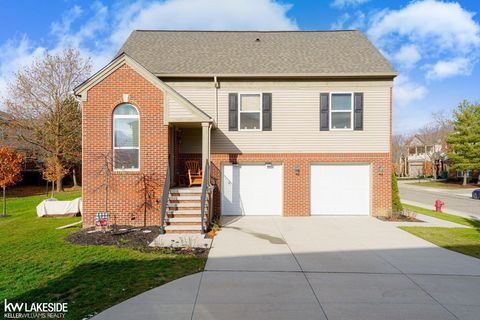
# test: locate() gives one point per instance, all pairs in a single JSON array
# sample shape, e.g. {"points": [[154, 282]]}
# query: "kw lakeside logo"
{"points": [[34, 310]]}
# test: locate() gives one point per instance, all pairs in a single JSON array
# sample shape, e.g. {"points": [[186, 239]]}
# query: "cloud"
{"points": [[427, 40], [16, 54], [405, 91], [98, 31], [203, 15], [345, 3], [407, 56], [444, 69], [340, 23], [348, 21], [446, 25]]}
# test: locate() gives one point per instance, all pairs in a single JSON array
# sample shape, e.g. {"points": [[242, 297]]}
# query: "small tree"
{"points": [[10, 171], [464, 141], [148, 184], [396, 203], [54, 171]]}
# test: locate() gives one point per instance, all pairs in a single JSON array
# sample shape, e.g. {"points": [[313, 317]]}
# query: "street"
{"points": [[457, 201]]}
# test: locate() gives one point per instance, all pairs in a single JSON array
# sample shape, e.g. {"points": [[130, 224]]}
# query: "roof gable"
{"points": [[170, 93]]}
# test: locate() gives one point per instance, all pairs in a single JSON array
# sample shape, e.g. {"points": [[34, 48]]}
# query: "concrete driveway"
{"points": [[317, 268]]}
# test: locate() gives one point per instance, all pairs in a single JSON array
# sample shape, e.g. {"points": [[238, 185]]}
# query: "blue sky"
{"points": [[435, 45]]}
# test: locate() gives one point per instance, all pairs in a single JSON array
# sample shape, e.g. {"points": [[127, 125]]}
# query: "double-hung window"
{"points": [[126, 138], [341, 111], [250, 112]]}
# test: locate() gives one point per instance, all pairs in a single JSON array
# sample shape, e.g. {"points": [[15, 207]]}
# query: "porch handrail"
{"points": [[166, 190], [203, 198]]}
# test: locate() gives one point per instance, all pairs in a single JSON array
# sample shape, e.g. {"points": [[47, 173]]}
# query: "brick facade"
{"points": [[296, 190], [125, 197]]}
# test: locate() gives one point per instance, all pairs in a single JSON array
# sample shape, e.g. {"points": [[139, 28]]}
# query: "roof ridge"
{"points": [[246, 31]]}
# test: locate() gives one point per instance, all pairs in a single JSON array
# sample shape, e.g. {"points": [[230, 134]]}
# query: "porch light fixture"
{"points": [[296, 169], [380, 170], [268, 164]]}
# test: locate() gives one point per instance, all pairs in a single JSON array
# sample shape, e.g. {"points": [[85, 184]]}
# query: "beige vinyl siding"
{"points": [[177, 111], [295, 118], [201, 94]]}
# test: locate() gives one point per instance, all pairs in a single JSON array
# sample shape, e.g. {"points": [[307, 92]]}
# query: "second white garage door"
{"points": [[337, 189], [252, 189]]}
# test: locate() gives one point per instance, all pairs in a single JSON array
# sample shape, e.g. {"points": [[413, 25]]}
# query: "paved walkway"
{"points": [[316, 268]]}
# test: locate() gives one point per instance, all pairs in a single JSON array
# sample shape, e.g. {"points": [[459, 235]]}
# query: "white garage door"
{"points": [[252, 189], [340, 189]]}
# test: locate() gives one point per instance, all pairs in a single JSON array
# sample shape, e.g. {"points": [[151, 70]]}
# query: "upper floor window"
{"points": [[341, 111], [126, 138], [250, 112]]}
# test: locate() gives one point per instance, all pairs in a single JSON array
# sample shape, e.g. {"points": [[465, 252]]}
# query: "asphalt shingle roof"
{"points": [[256, 53]]}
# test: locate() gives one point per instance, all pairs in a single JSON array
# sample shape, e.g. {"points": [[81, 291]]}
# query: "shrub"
{"points": [[396, 204]]}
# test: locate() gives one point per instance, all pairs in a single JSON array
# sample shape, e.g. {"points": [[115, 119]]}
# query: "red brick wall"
{"points": [[125, 196], [297, 187]]}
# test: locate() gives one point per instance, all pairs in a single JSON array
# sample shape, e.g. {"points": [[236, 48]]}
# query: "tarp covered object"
{"points": [[55, 208]]}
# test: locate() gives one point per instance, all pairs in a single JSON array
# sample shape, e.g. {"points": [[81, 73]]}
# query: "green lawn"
{"points": [[444, 216], [463, 240], [441, 184], [37, 265]]}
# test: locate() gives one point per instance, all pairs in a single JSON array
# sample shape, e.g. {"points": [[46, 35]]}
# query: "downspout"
{"points": [[216, 85]]}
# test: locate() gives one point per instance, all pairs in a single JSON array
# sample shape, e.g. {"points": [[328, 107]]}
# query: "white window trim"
{"points": [[137, 116], [330, 111], [240, 108]]}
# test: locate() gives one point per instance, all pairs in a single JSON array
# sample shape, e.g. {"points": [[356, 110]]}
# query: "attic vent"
{"points": [[257, 40]]}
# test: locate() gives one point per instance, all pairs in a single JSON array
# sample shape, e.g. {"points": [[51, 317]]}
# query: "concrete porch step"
{"points": [[183, 229], [192, 190], [176, 214], [188, 197], [184, 211], [184, 221], [184, 205]]}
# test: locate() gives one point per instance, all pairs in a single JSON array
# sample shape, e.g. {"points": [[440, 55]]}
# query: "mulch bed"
{"points": [[398, 218], [128, 237]]}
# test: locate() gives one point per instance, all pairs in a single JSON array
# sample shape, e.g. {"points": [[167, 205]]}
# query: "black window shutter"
{"points": [[358, 111], [324, 110], [267, 112], [233, 112]]}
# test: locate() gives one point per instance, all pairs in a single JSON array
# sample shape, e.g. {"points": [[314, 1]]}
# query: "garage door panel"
{"points": [[340, 189], [252, 189]]}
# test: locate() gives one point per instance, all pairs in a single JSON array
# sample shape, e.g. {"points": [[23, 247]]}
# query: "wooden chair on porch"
{"points": [[194, 172]]}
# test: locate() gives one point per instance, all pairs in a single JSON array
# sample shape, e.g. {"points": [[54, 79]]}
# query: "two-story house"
{"points": [[282, 123], [422, 157]]}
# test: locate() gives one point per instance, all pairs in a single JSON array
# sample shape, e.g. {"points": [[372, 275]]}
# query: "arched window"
{"points": [[126, 138]]}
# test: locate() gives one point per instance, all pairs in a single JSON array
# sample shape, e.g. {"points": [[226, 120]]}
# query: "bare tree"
{"points": [[148, 182], [434, 136], [44, 110], [399, 149]]}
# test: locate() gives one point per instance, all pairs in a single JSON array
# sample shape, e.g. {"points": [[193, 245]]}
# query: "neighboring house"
{"points": [[32, 164], [419, 157], [289, 123]]}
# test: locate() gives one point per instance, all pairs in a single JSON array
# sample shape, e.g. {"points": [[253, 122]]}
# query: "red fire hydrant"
{"points": [[438, 205]]}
